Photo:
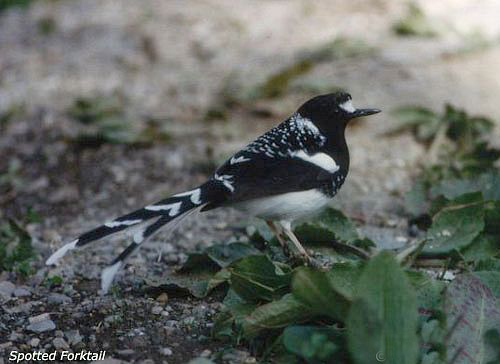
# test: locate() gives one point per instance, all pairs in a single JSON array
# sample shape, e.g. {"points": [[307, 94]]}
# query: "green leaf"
{"points": [[326, 293], [456, 225], [471, 310], [489, 264], [198, 283], [491, 219], [16, 250], [312, 343], [487, 183], [382, 321], [276, 314], [329, 225], [491, 279], [429, 293], [225, 254], [483, 247], [257, 278], [414, 24], [202, 272]]}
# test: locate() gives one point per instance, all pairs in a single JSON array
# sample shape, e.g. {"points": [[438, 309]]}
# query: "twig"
{"points": [[353, 249], [413, 248]]}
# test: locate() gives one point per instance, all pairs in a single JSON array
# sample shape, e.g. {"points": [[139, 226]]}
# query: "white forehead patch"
{"points": [[347, 106]]}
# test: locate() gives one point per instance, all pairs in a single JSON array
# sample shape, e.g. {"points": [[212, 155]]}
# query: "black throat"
{"points": [[336, 147]]}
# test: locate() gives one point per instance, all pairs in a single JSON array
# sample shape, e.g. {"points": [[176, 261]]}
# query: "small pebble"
{"points": [[34, 342], [60, 343], [39, 318], [21, 292], [6, 289], [166, 351], [156, 310], [205, 353], [41, 326], [58, 299], [163, 298]]}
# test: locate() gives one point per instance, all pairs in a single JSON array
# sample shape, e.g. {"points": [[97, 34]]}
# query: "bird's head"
{"points": [[331, 111]]}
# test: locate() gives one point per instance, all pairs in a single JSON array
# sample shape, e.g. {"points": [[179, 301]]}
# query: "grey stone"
{"points": [[166, 351], [6, 289], [42, 326], [60, 343], [125, 352], [34, 342], [156, 310], [22, 292], [73, 337], [39, 318], [58, 299], [15, 336]]}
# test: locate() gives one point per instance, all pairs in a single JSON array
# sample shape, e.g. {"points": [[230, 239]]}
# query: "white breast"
{"points": [[288, 206]]}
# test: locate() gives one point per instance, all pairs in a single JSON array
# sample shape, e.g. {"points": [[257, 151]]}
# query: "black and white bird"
{"points": [[290, 172]]}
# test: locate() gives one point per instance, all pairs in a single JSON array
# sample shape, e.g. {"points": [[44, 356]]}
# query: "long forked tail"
{"points": [[168, 212]]}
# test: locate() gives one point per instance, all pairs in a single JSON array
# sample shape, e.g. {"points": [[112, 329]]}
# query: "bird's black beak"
{"points": [[364, 112]]}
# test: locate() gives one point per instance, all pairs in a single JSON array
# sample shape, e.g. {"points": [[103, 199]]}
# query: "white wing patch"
{"points": [[239, 159], [173, 207], [195, 195], [113, 224], [322, 160], [347, 106], [226, 181]]}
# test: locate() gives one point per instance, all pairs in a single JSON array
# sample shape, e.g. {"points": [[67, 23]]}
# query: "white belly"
{"points": [[289, 206]]}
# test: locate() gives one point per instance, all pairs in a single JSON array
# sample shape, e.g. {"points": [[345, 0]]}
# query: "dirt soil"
{"points": [[174, 61]]}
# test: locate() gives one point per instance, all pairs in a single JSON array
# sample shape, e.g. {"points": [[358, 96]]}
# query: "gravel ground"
{"points": [[172, 61]]}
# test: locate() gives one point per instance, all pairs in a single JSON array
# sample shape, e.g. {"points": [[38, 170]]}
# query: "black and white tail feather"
{"points": [[167, 212]]}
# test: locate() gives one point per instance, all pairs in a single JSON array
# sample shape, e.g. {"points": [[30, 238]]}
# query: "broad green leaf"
{"points": [[456, 225], [429, 292], [491, 219], [202, 272], [431, 321], [382, 321], [283, 312], [488, 264], [312, 343], [225, 254], [324, 292], [218, 256], [491, 279], [197, 283], [256, 278], [486, 183], [228, 322], [411, 117], [483, 247], [472, 310], [330, 224]]}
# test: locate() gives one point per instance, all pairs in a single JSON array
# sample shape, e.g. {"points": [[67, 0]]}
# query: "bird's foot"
{"points": [[312, 262]]}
